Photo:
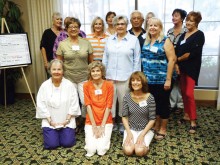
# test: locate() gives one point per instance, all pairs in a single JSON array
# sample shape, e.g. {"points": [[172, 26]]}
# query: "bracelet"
{"points": [[68, 121], [177, 61]]}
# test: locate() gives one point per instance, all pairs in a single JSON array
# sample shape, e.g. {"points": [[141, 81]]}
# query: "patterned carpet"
{"points": [[21, 142]]}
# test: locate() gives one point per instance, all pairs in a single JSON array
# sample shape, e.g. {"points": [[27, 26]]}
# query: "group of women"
{"points": [[106, 67]]}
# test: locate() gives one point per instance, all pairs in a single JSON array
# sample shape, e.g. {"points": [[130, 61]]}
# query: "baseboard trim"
{"points": [[24, 95], [211, 103]]}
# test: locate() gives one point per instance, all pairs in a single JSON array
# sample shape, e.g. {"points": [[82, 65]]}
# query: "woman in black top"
{"points": [[48, 38], [189, 58]]}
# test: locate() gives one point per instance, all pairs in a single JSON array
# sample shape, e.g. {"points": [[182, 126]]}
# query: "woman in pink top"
{"points": [[98, 97]]}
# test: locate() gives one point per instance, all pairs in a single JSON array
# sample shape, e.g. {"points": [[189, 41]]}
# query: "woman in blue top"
{"points": [[158, 59], [122, 57]]}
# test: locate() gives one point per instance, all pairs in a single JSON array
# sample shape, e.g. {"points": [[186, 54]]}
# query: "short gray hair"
{"points": [[120, 17], [136, 11], [54, 61], [56, 15]]}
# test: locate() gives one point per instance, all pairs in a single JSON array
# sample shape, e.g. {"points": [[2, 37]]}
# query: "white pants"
{"points": [[147, 138], [100, 145], [79, 88], [120, 89], [176, 96]]}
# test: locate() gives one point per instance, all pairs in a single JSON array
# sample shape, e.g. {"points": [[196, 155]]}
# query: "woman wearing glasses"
{"points": [[121, 58], [75, 52]]}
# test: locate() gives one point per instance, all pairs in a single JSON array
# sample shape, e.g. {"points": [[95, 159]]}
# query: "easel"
{"points": [[3, 25]]}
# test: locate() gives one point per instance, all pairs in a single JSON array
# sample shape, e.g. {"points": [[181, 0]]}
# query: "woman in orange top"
{"points": [[98, 97]]}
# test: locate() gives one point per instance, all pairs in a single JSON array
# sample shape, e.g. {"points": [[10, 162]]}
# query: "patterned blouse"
{"points": [[155, 62], [138, 117]]}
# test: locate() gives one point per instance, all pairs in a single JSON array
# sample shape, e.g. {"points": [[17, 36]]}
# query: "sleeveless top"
{"points": [[155, 62]]}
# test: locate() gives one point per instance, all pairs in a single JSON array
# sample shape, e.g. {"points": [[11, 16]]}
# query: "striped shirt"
{"points": [[138, 117], [98, 44]]}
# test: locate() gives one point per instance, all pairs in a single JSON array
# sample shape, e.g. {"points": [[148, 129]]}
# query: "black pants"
{"points": [[162, 99]]}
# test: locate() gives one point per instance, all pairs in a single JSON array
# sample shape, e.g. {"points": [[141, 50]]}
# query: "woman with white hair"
{"points": [[58, 106], [121, 58]]}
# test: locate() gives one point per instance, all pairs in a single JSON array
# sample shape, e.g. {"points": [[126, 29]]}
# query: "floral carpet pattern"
{"points": [[21, 142]]}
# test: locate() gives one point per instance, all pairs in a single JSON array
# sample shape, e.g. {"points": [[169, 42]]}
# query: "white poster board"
{"points": [[14, 50]]}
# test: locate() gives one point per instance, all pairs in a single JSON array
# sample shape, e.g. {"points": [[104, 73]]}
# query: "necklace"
{"points": [[56, 31], [111, 31], [98, 85]]}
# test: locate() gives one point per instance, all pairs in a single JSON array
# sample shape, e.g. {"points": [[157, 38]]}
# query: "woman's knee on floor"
{"points": [[141, 150], [68, 143], [128, 150], [50, 145], [91, 150]]}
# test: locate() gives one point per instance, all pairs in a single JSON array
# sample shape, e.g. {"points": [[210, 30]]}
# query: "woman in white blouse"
{"points": [[57, 106]]}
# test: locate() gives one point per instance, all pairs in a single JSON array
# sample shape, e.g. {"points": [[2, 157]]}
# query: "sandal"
{"points": [[178, 111], [160, 136], [192, 129], [182, 121]]}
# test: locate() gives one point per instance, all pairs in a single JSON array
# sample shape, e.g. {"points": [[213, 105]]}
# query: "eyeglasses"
{"points": [[73, 27], [122, 24]]}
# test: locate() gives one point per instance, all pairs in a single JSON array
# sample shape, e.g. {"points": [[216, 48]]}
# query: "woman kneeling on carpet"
{"points": [[98, 97], [138, 116], [57, 106]]}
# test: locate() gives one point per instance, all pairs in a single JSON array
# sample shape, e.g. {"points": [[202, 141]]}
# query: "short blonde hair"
{"points": [[95, 64], [93, 24], [161, 35]]}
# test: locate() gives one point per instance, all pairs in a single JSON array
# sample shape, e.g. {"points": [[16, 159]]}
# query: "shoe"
{"points": [[192, 129], [172, 109], [160, 136], [178, 111], [182, 121], [121, 128], [115, 127]]}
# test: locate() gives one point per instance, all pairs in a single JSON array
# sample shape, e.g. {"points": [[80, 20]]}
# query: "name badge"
{"points": [[98, 92], [154, 49], [75, 47], [182, 42], [143, 103]]}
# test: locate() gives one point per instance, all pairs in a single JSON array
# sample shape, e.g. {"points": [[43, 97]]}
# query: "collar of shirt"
{"points": [[171, 31], [142, 32], [126, 37], [101, 37]]}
